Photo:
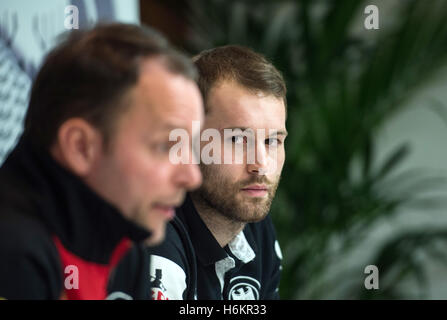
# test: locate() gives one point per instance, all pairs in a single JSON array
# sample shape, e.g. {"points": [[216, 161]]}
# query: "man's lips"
{"points": [[256, 190], [256, 187], [167, 210]]}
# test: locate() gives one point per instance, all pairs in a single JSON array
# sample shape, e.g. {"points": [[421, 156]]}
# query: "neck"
{"points": [[222, 228]]}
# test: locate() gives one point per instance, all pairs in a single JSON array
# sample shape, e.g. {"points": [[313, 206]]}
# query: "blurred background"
{"points": [[365, 179]]}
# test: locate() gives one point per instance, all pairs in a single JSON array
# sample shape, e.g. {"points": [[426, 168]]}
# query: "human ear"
{"points": [[79, 145]]}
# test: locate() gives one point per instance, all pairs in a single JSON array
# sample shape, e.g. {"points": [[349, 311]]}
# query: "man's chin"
{"points": [[250, 215], [157, 230], [155, 239]]}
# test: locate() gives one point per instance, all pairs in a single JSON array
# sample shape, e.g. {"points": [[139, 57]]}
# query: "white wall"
{"points": [[27, 32], [426, 133]]}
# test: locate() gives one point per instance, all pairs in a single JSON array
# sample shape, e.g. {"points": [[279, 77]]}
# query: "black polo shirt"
{"points": [[190, 263]]}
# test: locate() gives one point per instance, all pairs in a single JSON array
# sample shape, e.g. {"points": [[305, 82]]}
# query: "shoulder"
{"points": [[171, 265], [172, 247], [263, 234], [263, 231], [22, 233], [29, 261]]}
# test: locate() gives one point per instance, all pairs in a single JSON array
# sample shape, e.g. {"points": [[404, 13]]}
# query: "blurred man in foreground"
{"points": [[90, 180]]}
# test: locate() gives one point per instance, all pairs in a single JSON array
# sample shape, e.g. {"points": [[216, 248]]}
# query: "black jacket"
{"points": [[60, 240], [190, 263]]}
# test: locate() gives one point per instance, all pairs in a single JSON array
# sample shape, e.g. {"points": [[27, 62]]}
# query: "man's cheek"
{"points": [[277, 161]]}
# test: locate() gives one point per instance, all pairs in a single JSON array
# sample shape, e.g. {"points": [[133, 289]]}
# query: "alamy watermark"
{"points": [[372, 20], [71, 20], [250, 146], [72, 277], [372, 280]]}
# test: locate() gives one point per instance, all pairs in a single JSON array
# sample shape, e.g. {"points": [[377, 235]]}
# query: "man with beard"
{"points": [[222, 244]]}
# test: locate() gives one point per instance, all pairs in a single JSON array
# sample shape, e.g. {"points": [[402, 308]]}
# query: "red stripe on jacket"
{"points": [[86, 280]]}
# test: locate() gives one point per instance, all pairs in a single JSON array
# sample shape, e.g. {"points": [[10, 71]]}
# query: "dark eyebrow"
{"points": [[278, 133], [281, 133], [234, 128]]}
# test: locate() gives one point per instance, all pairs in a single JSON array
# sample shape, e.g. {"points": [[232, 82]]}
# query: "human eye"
{"points": [[273, 142], [161, 147], [237, 139]]}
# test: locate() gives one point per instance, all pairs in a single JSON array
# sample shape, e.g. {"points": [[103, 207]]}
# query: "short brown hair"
{"points": [[241, 64], [88, 74]]}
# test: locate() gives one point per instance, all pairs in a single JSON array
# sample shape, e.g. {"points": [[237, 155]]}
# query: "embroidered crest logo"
{"points": [[244, 288]]}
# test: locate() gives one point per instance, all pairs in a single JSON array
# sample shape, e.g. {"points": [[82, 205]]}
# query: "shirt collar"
{"points": [[207, 248], [241, 249]]}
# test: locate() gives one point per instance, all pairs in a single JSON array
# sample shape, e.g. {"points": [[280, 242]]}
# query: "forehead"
{"points": [[231, 105], [162, 99]]}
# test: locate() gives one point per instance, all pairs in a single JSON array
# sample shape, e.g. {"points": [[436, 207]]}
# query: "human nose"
{"points": [[259, 166], [188, 176]]}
